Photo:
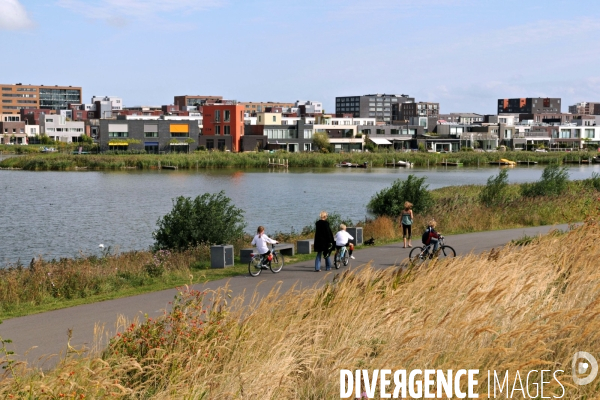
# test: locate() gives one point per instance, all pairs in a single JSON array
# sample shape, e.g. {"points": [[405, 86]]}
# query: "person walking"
{"points": [[407, 220], [324, 242]]}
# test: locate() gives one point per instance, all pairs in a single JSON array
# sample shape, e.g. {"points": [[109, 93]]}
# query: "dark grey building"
{"points": [[530, 105], [153, 136], [377, 106], [406, 111]]}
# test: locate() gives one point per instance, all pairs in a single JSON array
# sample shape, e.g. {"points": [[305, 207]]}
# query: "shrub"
{"points": [[553, 182], [390, 201], [594, 181], [208, 219], [495, 191]]}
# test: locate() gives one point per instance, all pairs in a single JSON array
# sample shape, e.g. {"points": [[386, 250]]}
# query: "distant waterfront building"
{"points": [[309, 107], [252, 108], [462, 118], [12, 129], [18, 97], [184, 102], [152, 135], [222, 126], [59, 128], [408, 110], [585, 108], [530, 105], [116, 103], [377, 106]]}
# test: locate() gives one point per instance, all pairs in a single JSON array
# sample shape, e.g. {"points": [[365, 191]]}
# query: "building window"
{"points": [[210, 144], [226, 130], [274, 118], [217, 115], [150, 134], [226, 116], [217, 129], [117, 134]]}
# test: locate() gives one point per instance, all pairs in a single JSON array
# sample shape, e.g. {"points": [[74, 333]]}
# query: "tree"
{"points": [[390, 201], [321, 141], [205, 220]]}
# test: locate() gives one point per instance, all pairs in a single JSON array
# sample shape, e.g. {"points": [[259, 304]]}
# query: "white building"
{"points": [[116, 102], [311, 107], [56, 127]]}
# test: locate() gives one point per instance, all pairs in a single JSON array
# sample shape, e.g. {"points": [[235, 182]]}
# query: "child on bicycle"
{"points": [[341, 240], [260, 241], [433, 237]]}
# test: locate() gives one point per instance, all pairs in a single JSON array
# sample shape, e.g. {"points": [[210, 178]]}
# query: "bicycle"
{"points": [[342, 257], [257, 263], [419, 255]]}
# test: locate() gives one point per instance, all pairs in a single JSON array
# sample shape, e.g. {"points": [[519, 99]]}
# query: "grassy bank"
{"points": [[65, 162], [51, 284], [515, 310]]}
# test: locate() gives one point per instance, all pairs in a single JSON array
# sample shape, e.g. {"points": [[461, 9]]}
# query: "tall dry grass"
{"points": [[44, 281], [511, 309]]}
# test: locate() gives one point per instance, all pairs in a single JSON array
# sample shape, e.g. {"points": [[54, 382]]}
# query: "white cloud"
{"points": [[13, 16], [119, 12]]}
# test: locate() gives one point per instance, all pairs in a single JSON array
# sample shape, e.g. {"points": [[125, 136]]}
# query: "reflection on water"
{"points": [[60, 214]]}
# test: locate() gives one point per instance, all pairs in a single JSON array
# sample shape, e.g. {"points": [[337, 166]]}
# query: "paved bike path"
{"points": [[39, 338]]}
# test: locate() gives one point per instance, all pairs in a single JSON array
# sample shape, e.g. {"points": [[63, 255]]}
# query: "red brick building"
{"points": [[225, 122]]}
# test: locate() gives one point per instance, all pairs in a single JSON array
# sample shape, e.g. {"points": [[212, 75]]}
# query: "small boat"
{"points": [[347, 164], [451, 163], [503, 161], [596, 160], [579, 161], [48, 150], [399, 163], [527, 162]]}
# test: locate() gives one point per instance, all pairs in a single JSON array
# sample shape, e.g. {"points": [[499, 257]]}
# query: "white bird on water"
{"points": [[101, 246]]}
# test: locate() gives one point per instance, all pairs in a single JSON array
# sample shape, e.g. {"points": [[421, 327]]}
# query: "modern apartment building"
{"points": [[185, 101], [116, 103], [223, 126], [529, 105], [377, 106], [151, 135], [18, 97], [585, 108], [251, 108], [12, 129], [59, 128], [406, 111]]}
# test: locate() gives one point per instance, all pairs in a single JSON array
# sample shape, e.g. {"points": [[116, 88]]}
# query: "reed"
{"points": [[512, 309], [215, 159]]}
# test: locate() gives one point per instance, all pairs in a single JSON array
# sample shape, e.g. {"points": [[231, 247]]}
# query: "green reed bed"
{"points": [[205, 159]]}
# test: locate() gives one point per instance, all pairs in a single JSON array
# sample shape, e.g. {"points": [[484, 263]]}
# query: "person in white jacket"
{"points": [[341, 240], [260, 241]]}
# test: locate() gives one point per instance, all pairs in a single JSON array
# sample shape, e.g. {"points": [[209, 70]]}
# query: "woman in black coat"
{"points": [[324, 242]]}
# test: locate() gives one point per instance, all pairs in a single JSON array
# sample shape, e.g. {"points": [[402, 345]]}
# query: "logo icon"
{"points": [[580, 368]]}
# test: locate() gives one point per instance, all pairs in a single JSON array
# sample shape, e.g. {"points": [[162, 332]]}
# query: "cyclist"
{"points": [[260, 241], [431, 237], [341, 240]]}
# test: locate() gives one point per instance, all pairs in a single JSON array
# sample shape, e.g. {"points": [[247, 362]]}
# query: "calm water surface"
{"points": [[64, 214]]}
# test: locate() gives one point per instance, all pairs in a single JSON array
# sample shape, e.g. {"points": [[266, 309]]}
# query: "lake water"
{"points": [[64, 214]]}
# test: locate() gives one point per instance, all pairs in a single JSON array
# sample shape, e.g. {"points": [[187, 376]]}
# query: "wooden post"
{"points": [[158, 164]]}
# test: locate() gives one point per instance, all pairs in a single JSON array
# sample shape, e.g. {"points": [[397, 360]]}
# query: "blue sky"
{"points": [[464, 54]]}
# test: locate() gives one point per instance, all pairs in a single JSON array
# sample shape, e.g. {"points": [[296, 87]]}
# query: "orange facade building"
{"points": [[224, 119]]}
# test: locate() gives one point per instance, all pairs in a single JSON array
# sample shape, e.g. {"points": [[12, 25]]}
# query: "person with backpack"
{"points": [[431, 237], [407, 220]]}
